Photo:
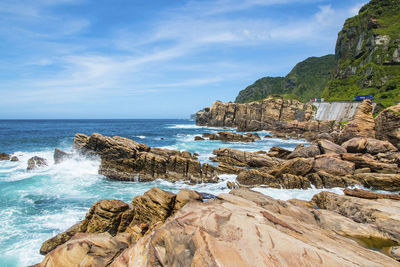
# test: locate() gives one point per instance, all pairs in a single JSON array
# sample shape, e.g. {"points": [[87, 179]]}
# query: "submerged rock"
{"points": [[36, 162], [60, 155], [14, 158]]}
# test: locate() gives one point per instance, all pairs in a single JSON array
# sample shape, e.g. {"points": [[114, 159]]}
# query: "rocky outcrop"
{"points": [[246, 228], [60, 155], [368, 145], [115, 217], [388, 125], [362, 125], [36, 162], [241, 158], [4, 156], [229, 137], [255, 115], [361, 193], [125, 159]]}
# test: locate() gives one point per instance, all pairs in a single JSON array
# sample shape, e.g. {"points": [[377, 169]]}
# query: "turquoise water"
{"points": [[35, 206]]}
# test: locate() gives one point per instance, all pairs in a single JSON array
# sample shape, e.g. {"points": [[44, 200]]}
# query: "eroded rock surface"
{"points": [[36, 162], [388, 125]]}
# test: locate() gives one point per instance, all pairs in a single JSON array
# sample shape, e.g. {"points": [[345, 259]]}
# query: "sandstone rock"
{"points": [[323, 179], [296, 166], [369, 195], [362, 124], [232, 137], [388, 125], [328, 147], [4, 156], [184, 196], [379, 181], [278, 152], [245, 228], [368, 161], [333, 166], [355, 145], [302, 151], [375, 146], [60, 155], [36, 162], [14, 158], [243, 158]]}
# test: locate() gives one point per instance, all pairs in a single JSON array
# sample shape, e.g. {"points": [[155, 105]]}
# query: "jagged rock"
{"points": [[246, 228], [198, 138], [328, 147], [278, 152], [369, 195], [323, 179], [362, 124], [296, 166], [125, 159], [388, 125], [368, 161], [333, 165], [14, 158], [368, 145], [232, 137], [36, 162], [379, 181], [243, 158], [231, 185], [256, 177], [302, 151], [60, 155], [115, 217], [4, 156]]}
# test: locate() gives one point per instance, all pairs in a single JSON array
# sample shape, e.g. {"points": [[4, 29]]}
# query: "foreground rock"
{"points": [[245, 228], [388, 125], [36, 162], [4, 156], [369, 195], [127, 160], [230, 137], [115, 217]]}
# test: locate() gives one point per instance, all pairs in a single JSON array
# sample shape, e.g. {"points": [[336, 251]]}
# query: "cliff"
{"points": [[306, 80], [254, 115], [368, 54]]}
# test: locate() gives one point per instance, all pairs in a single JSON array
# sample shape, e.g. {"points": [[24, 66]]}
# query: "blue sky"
{"points": [[152, 59]]}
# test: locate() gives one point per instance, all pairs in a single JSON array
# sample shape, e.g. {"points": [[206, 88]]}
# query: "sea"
{"points": [[36, 205]]}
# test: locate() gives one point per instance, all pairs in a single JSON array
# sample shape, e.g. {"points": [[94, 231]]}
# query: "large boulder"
{"points": [[368, 145], [368, 161], [36, 162], [328, 147], [302, 151], [362, 124], [379, 181], [244, 158], [388, 125], [296, 166], [333, 165]]}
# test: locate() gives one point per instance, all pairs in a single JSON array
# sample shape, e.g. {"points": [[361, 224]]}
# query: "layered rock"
{"points": [[241, 158], [125, 159], [362, 124], [388, 125], [255, 115], [115, 217], [246, 228], [230, 137]]}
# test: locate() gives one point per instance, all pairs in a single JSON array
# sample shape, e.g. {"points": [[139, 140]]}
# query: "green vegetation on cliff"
{"points": [[368, 54], [306, 80]]}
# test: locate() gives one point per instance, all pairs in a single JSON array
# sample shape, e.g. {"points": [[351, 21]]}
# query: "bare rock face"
{"points": [[125, 159], [244, 158], [302, 151], [328, 147], [368, 145], [115, 217], [4, 156], [388, 125], [253, 116], [60, 155], [362, 124], [333, 165], [246, 228], [379, 181], [36, 162], [278, 152]]}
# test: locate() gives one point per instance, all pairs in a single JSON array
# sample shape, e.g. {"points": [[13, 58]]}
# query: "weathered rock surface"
{"points": [[278, 152], [361, 193], [302, 151], [328, 147], [125, 159], [253, 116], [379, 181], [388, 125], [246, 228], [368, 145], [4, 156], [333, 165], [362, 124], [231, 137], [115, 217], [60, 155], [36, 162], [240, 158]]}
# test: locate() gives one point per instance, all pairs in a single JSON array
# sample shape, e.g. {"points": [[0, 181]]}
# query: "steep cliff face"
{"points": [[368, 54], [254, 115], [306, 80]]}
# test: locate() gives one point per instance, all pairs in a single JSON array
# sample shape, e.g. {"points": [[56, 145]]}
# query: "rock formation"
{"points": [[125, 159], [246, 228], [388, 125], [36, 162], [60, 155], [4, 156], [229, 137]]}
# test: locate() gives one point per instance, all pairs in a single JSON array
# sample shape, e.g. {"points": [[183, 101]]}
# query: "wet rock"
{"points": [[232, 137], [388, 125], [379, 181], [60, 155], [198, 138], [36, 162], [14, 158], [4, 156]]}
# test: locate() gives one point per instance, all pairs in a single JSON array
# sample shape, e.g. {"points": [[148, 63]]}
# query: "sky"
{"points": [[82, 59]]}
